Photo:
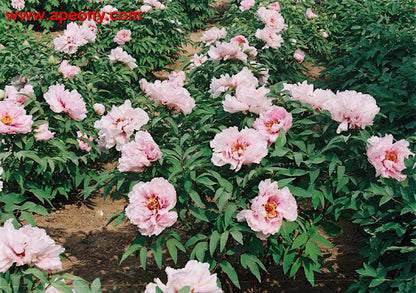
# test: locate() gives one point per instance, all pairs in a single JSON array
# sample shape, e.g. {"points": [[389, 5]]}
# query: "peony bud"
{"points": [[99, 108]]}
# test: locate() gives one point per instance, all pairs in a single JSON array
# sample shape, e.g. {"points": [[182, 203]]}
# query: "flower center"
{"points": [[390, 156], [153, 204], [7, 119], [271, 123], [270, 209], [239, 148]]}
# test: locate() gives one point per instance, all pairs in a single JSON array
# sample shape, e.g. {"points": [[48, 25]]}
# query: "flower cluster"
{"points": [[28, 246], [212, 35], [18, 96], [75, 36], [274, 24]]}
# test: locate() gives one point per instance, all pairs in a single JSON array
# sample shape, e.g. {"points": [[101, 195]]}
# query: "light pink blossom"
{"points": [[18, 4], [122, 37], [12, 94], [72, 38], [272, 19], [305, 93], [138, 154], [107, 9], [227, 51], [155, 3], [244, 77], [272, 121], [62, 100], [119, 55], [243, 42], [274, 6], [195, 275], [116, 128], [150, 205], [28, 246], [310, 14], [42, 132], [270, 37], [82, 141], [269, 208], [238, 148], [352, 110], [198, 60], [89, 30], [388, 157], [68, 70], [13, 119], [247, 4], [99, 108], [299, 56], [212, 35], [247, 99], [177, 78], [324, 34], [145, 8]]}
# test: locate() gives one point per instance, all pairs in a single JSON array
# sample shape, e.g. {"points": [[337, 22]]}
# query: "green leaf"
{"points": [[300, 240], [223, 240], [96, 286], [143, 257], [173, 251], [185, 289], [231, 273], [213, 242], [132, 248], [238, 236], [287, 260]]}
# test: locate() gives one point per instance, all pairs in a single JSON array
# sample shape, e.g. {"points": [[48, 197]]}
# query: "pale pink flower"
{"points": [[82, 141], [227, 51], [72, 38], [319, 98], [310, 14], [119, 55], [12, 94], [28, 246], [116, 128], [13, 119], [244, 77], [195, 275], [122, 37], [168, 93], [145, 8], [138, 154], [270, 37], [388, 157], [269, 208], [305, 93], [272, 19], [89, 30], [198, 60], [68, 70], [150, 204], [247, 4], [99, 108], [247, 99], [352, 110], [243, 42], [177, 78], [274, 6], [212, 35], [18, 4], [107, 10], [272, 121], [299, 56], [264, 78], [62, 100], [42, 132], [324, 34], [238, 148], [155, 3]]}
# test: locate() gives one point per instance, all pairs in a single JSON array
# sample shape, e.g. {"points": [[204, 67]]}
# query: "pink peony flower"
{"points": [[299, 56], [150, 204], [155, 3], [28, 246], [169, 93], [107, 10], [62, 100], [116, 128], [89, 30], [68, 70], [138, 154], [324, 34], [244, 77], [272, 19], [305, 93], [145, 8], [388, 157], [99, 108], [122, 37], [270, 37], [13, 119], [352, 110], [269, 208], [247, 99], [42, 132], [82, 138], [238, 148], [310, 14], [198, 60], [18, 4], [243, 42], [272, 121], [12, 94], [72, 38], [247, 4], [212, 35], [119, 55], [274, 6], [177, 78], [195, 275], [227, 51]]}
